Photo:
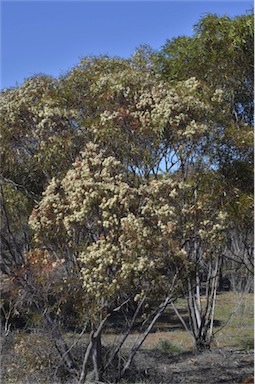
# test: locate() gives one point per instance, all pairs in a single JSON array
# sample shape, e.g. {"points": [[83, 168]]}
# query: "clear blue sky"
{"points": [[51, 36]]}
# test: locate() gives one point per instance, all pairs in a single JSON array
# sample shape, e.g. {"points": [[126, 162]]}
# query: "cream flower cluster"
{"points": [[123, 235]]}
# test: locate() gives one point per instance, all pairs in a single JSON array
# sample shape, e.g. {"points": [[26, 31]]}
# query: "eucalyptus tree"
{"points": [[124, 167], [129, 243], [220, 53]]}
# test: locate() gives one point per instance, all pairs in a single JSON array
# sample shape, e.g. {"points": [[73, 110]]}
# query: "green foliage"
{"points": [[221, 54], [38, 135], [16, 207], [167, 347], [133, 115]]}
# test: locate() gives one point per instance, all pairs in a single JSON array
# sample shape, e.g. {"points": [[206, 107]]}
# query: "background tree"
{"points": [[39, 141], [220, 55], [38, 133]]}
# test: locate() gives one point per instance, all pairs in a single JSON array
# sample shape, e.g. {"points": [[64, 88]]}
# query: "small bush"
{"points": [[247, 344], [28, 358], [167, 347]]}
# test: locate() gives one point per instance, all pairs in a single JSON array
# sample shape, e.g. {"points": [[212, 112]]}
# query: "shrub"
{"points": [[28, 358], [167, 347]]}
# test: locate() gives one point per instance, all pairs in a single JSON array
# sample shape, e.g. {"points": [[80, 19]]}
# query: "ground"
{"points": [[211, 367], [166, 357]]}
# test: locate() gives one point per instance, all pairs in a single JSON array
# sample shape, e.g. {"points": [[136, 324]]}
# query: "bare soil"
{"points": [[209, 367]]}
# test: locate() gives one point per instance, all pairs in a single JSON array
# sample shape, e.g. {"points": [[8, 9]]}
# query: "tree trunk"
{"points": [[125, 335], [202, 344], [94, 349], [202, 317], [97, 357], [161, 308]]}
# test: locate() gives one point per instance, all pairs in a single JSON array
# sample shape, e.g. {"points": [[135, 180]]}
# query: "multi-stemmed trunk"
{"points": [[201, 301], [94, 351], [202, 308]]}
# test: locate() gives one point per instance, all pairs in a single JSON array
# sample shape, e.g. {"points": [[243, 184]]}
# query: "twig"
{"points": [[182, 321], [72, 346]]}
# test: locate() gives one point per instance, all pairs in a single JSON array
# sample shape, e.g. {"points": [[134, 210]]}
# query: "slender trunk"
{"points": [[84, 369], [126, 334], [212, 302], [94, 350], [191, 307], [138, 344], [213, 310], [97, 356], [183, 322], [197, 306], [204, 337]]}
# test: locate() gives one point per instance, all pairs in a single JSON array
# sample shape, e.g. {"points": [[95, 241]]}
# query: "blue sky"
{"points": [[52, 36]]}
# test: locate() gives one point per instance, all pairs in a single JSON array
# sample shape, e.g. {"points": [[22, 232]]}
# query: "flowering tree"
{"points": [[126, 241], [39, 141], [139, 161], [92, 218], [37, 132]]}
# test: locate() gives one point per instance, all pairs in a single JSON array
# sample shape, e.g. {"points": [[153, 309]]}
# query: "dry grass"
{"points": [[233, 315], [165, 348], [238, 312]]}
